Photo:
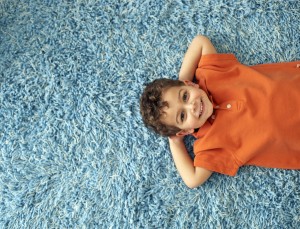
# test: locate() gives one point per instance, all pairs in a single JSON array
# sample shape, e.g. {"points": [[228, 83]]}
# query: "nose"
{"points": [[192, 107]]}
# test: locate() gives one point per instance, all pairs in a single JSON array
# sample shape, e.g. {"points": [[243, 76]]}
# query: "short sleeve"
{"points": [[217, 59], [217, 160], [216, 62]]}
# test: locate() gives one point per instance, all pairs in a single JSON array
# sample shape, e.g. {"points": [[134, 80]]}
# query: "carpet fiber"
{"points": [[73, 150]]}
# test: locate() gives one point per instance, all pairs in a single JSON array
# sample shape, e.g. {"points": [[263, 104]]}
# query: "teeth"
{"points": [[201, 108]]}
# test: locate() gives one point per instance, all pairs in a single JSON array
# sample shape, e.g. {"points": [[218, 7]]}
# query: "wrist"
{"points": [[175, 140]]}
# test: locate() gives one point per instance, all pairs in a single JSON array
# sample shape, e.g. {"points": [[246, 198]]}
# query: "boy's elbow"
{"points": [[201, 175], [193, 184], [201, 38]]}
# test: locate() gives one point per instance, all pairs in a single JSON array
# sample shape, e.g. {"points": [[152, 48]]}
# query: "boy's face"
{"points": [[189, 108]]}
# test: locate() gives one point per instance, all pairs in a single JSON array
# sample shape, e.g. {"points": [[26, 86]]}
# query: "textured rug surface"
{"points": [[73, 150]]}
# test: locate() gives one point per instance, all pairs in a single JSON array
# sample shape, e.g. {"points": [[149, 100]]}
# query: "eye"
{"points": [[182, 116], [185, 96]]}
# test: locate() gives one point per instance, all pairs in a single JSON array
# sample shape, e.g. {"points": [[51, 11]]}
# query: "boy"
{"points": [[241, 115]]}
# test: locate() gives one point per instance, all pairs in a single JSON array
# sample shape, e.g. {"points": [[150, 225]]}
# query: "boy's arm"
{"points": [[191, 175], [199, 46]]}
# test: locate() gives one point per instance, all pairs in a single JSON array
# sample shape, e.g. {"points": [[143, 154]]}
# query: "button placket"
{"points": [[230, 105]]}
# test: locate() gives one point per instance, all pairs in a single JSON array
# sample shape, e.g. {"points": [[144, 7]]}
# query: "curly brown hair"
{"points": [[151, 106]]}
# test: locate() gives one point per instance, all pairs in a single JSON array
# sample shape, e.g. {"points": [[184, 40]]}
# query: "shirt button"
{"points": [[228, 106], [217, 107], [213, 116]]}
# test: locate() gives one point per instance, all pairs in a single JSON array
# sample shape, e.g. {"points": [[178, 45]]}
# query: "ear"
{"points": [[185, 132], [190, 83]]}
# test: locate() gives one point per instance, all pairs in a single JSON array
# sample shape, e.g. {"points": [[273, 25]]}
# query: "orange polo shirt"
{"points": [[256, 119]]}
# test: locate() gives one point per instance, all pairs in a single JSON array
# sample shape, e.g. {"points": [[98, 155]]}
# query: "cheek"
{"points": [[192, 121], [210, 109]]}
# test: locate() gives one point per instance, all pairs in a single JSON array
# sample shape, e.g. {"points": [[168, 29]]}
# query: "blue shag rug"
{"points": [[73, 150]]}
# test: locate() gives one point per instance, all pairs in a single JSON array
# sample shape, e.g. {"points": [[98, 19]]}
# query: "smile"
{"points": [[201, 108]]}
